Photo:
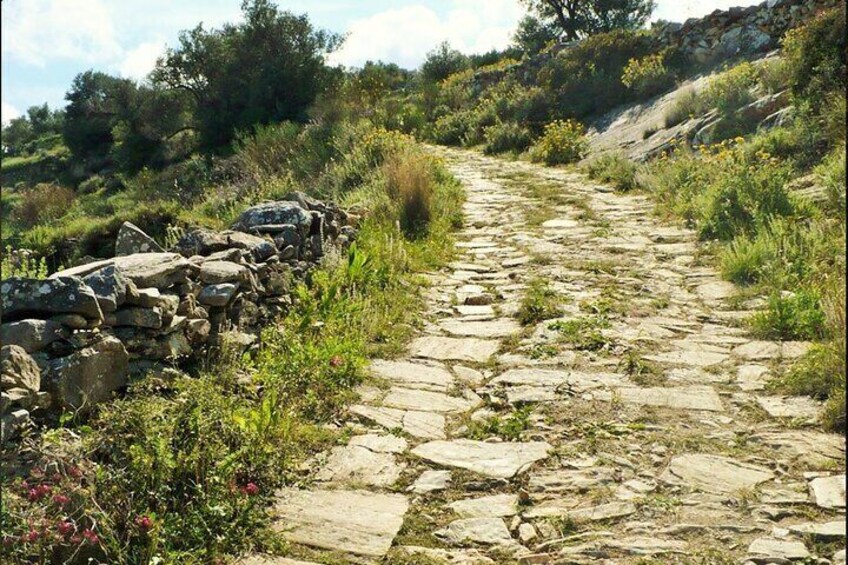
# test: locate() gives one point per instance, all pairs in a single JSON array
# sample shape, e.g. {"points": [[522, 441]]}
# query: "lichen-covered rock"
{"points": [[282, 212], [109, 285], [89, 375], [217, 272], [217, 295], [131, 239], [22, 298], [156, 270], [18, 369], [32, 335]]}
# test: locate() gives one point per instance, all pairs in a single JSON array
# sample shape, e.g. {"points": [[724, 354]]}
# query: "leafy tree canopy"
{"points": [[579, 18], [442, 62], [269, 68]]}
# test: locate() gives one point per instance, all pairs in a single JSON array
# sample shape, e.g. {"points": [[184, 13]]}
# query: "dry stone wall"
{"points": [[73, 339]]}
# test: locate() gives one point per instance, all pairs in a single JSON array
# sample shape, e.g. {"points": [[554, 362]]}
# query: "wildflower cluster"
{"points": [[563, 142]]}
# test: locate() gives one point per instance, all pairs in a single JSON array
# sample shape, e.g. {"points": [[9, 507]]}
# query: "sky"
{"points": [[45, 43]]}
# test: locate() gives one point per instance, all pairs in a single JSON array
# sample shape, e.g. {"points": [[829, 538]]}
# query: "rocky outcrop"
{"points": [[78, 337]]}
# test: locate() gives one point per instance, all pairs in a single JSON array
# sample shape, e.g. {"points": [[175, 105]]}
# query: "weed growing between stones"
{"points": [[540, 303]]}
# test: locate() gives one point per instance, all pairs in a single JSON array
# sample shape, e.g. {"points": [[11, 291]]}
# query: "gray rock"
{"points": [[217, 272], [131, 239], [768, 550], [431, 481], [713, 473], [829, 531], [157, 270], [413, 375], [18, 369], [454, 349], [425, 425], [281, 212], [305, 201], [139, 317], [495, 506], [497, 460], [358, 465], [110, 287], [88, 376], [217, 295], [355, 521], [287, 234], [56, 295], [259, 247], [32, 335], [490, 531], [11, 424], [829, 492], [200, 241]]}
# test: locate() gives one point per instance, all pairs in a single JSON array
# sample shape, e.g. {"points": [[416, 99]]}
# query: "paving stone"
{"points": [[828, 531], [271, 560], [829, 492], [801, 407], [359, 522], [431, 481], [768, 550], [571, 480], [488, 531], [682, 398], [495, 506], [481, 329], [413, 375], [425, 400], [379, 443], [424, 425], [454, 349], [714, 473], [355, 465], [690, 358], [767, 350], [445, 556], [647, 546], [497, 460], [469, 376], [716, 290], [809, 449], [566, 508]]}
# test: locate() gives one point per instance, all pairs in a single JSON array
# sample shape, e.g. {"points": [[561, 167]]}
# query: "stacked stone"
{"points": [[72, 340], [738, 31]]}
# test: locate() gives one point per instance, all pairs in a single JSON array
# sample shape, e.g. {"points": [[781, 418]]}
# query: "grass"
{"points": [[540, 302], [583, 333], [616, 170], [508, 428]]}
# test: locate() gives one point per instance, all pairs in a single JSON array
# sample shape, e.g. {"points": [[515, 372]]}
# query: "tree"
{"points": [[442, 62], [45, 121], [580, 18], [16, 134], [533, 34], [90, 114], [268, 69]]}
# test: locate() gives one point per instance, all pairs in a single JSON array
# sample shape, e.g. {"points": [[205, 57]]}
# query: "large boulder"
{"points": [[88, 376], [276, 213], [32, 335], [109, 285], [200, 241], [217, 272], [18, 369], [156, 270], [21, 298], [131, 239]]}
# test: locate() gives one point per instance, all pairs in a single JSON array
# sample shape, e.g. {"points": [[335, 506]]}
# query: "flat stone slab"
{"points": [[360, 522], [554, 378], [445, 556], [801, 407], [454, 349], [502, 327], [812, 450], [715, 290], [829, 492], [491, 531], [498, 460], [689, 358], [768, 550], [495, 506], [431, 481], [714, 473], [425, 401], [357, 465], [828, 531], [566, 508], [271, 560], [413, 375], [766, 350], [424, 425], [682, 398]]}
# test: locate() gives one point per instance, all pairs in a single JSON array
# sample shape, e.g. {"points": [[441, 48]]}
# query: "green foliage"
{"points": [[563, 142], [506, 136], [21, 263], [442, 62], [579, 80], [235, 84], [816, 58], [577, 19], [583, 333], [533, 35], [731, 90], [507, 428], [614, 169], [648, 76], [540, 302], [793, 316], [409, 183]]}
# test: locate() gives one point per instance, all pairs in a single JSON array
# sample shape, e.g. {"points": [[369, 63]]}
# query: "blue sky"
{"points": [[45, 43]]}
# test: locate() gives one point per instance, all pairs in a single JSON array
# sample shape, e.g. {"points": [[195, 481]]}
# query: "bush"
{"points": [[409, 183], [506, 136], [43, 203], [731, 90], [451, 129], [563, 142], [22, 263], [442, 62], [831, 173], [614, 169], [687, 105], [796, 315], [648, 75]]}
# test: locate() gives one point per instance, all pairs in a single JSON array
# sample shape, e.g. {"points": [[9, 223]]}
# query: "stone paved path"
{"points": [[645, 435]]}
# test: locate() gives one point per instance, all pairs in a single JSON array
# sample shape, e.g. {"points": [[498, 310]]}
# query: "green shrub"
{"points": [[687, 105], [563, 142], [796, 315], [540, 302], [451, 129], [731, 90], [614, 169], [506, 136], [22, 263], [773, 75], [831, 173], [648, 75]]}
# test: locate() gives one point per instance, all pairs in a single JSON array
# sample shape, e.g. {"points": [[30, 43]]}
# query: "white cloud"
{"points": [[138, 62], [36, 31], [405, 35], [8, 112]]}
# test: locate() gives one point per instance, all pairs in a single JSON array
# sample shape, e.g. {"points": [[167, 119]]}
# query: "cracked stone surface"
{"points": [[658, 438]]}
